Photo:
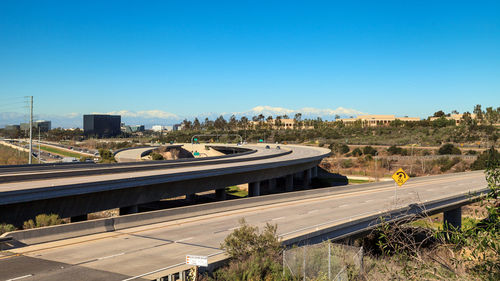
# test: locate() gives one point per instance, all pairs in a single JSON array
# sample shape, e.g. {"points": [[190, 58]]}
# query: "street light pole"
{"points": [[39, 152], [31, 130]]}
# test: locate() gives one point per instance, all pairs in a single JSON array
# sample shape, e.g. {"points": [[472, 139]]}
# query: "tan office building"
{"points": [[376, 120]]}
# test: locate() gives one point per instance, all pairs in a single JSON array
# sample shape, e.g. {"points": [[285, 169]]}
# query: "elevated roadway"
{"points": [[147, 252], [76, 190]]}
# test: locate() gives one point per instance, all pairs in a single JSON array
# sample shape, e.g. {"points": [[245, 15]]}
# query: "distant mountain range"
{"points": [[159, 117]]}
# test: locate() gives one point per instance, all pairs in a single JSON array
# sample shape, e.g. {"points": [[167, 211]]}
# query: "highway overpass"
{"points": [[152, 245], [77, 190]]}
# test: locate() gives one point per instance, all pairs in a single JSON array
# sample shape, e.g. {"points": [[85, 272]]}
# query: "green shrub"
{"points": [[449, 149], [156, 156], [6, 228], [356, 152], [253, 255], [42, 220], [339, 148], [489, 156], [368, 150]]}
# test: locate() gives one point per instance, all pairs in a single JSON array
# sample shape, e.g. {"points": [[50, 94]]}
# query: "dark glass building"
{"points": [[101, 125]]}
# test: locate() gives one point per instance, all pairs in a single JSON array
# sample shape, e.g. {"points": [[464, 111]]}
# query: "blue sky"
{"points": [[192, 57]]}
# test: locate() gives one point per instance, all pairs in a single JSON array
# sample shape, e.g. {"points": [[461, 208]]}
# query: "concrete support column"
{"points": [[220, 194], [306, 179], [254, 189], [315, 172], [289, 183], [453, 218], [272, 185], [129, 210], [78, 218], [182, 276]]}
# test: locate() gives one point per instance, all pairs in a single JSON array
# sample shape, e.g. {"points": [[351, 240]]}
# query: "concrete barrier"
{"points": [[59, 232], [65, 231]]}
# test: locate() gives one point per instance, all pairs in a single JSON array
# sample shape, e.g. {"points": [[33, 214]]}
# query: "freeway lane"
{"points": [[136, 251], [207, 167]]}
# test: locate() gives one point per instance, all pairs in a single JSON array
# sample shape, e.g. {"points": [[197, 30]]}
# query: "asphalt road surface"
{"points": [[125, 254]]}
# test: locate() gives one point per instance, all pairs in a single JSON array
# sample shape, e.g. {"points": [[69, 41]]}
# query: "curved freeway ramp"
{"points": [[74, 190]]}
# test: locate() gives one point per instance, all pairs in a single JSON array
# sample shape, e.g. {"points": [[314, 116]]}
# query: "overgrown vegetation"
{"points": [[447, 253], [253, 255], [11, 156], [106, 156], [43, 220], [6, 228]]}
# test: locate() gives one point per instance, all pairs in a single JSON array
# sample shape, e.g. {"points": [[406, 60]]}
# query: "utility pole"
{"points": [[31, 129], [39, 150]]}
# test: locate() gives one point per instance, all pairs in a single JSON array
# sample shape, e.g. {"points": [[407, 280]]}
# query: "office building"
{"points": [[101, 125]]}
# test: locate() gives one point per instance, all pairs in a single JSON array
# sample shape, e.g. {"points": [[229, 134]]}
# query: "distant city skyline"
{"points": [[173, 59], [150, 118]]}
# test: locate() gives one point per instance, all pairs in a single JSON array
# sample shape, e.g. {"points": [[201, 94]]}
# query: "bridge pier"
{"points": [[220, 194], [314, 171], [453, 218], [289, 183], [254, 189], [271, 184], [306, 178], [129, 210], [78, 218]]}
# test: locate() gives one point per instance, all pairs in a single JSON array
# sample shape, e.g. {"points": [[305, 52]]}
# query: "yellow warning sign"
{"points": [[400, 177]]}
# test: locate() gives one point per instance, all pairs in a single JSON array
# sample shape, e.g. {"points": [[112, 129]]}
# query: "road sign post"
{"points": [[399, 177]]}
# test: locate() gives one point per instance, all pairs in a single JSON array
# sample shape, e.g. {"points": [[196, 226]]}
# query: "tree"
{"points": [[196, 124], [187, 124], [448, 149], [478, 112], [220, 123], [439, 113], [233, 122]]}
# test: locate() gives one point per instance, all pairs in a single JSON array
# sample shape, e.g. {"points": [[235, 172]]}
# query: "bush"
{"points": [[156, 156], [368, 150], [43, 220], [254, 255], [356, 152], [449, 149], [446, 165], [106, 156], [339, 148], [489, 156], [6, 228]]}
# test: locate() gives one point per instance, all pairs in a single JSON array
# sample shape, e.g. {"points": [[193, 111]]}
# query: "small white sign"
{"points": [[197, 260]]}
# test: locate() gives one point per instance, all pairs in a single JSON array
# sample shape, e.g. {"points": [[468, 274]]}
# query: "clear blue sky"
{"points": [[188, 57]]}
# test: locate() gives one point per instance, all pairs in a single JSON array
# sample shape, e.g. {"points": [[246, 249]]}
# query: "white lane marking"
{"points": [[233, 228], [342, 206], [313, 211], [275, 219], [182, 240], [20, 277], [368, 201], [165, 268], [112, 256]]}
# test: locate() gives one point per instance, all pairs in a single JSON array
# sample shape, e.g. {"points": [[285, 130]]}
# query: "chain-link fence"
{"points": [[325, 261]]}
